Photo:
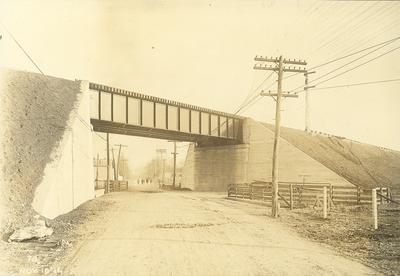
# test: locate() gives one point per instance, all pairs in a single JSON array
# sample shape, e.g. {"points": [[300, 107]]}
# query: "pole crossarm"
{"points": [[285, 61], [284, 94], [274, 68], [279, 67]]}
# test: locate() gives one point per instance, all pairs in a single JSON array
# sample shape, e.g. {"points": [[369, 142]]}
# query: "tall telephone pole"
{"points": [[175, 154], [307, 103], [119, 156], [161, 152], [280, 69], [106, 190]]}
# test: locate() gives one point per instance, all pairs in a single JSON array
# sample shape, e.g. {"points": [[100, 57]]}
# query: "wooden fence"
{"points": [[295, 194], [114, 185], [118, 185]]}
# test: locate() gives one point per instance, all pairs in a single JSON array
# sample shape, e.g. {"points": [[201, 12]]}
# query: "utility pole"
{"points": [[174, 153], [97, 171], [119, 156], [307, 103], [108, 164], [113, 164], [279, 94], [304, 177], [161, 152]]}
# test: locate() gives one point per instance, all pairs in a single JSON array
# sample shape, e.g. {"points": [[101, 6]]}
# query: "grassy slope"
{"points": [[361, 164], [36, 110]]}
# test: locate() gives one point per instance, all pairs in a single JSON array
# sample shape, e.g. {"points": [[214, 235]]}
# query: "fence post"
{"points": [[388, 195], [291, 196], [380, 198], [324, 204], [300, 195], [251, 192], [236, 191], [358, 195], [374, 209], [331, 192]]}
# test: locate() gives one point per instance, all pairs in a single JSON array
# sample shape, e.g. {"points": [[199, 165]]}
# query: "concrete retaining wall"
{"points": [[68, 179], [213, 168], [46, 163]]}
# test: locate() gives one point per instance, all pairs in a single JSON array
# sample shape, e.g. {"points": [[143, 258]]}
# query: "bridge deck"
{"points": [[123, 112]]}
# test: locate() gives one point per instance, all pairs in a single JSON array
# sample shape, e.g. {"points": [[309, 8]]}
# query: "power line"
{"points": [[342, 66], [22, 48], [346, 56], [355, 84], [355, 67], [325, 25], [373, 35], [250, 104], [336, 31], [326, 33], [371, 20], [255, 90], [251, 101], [37, 66], [354, 53]]}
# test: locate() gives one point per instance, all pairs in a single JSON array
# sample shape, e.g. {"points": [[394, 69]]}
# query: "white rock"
{"points": [[31, 232]]}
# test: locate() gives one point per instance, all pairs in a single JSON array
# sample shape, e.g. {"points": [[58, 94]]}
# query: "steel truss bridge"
{"points": [[119, 111]]}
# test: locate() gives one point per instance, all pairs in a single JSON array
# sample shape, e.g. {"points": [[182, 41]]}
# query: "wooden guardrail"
{"points": [[299, 193], [114, 185], [118, 185]]}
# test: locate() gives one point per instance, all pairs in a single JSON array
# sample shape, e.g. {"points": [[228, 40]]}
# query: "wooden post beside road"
{"points": [[174, 153], [325, 204], [106, 190], [374, 209], [291, 196]]}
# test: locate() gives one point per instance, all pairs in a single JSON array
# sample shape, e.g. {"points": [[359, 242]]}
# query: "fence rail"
{"points": [[114, 185], [300, 194]]}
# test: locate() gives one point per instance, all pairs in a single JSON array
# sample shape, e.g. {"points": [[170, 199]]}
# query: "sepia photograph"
{"points": [[199, 137]]}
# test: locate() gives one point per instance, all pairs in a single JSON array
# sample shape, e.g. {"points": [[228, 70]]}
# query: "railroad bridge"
{"points": [[227, 148], [120, 111]]}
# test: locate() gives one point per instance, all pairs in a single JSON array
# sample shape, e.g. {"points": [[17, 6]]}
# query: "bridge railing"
{"points": [[125, 107]]}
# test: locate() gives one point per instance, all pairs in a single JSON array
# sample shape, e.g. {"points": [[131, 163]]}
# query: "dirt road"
{"points": [[187, 233]]}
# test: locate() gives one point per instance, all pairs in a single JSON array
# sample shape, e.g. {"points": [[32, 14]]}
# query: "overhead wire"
{"points": [[40, 70], [346, 56], [353, 68], [374, 35], [254, 100], [255, 96], [22, 48], [326, 10], [325, 33], [335, 34], [354, 30], [308, 13], [254, 91], [355, 84], [346, 64]]}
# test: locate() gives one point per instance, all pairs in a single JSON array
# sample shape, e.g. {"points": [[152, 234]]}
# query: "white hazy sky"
{"points": [[201, 52]]}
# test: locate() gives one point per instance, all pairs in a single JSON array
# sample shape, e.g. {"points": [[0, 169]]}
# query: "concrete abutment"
{"points": [[214, 168]]}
